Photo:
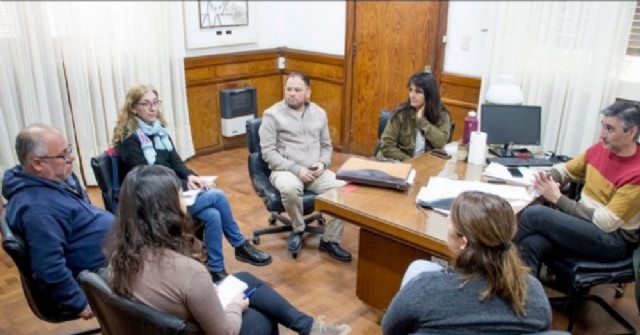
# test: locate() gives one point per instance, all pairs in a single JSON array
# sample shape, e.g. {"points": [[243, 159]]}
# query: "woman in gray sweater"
{"points": [[488, 290]]}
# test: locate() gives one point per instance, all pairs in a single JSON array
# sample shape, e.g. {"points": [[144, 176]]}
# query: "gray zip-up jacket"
{"points": [[291, 139]]}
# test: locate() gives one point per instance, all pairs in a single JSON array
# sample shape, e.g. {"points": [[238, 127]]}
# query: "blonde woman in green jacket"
{"points": [[418, 125]]}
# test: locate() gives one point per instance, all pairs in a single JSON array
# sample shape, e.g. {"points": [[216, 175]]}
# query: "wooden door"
{"points": [[390, 40]]}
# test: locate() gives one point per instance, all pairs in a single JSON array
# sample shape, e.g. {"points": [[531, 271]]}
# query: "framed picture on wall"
{"points": [[217, 14], [218, 23]]}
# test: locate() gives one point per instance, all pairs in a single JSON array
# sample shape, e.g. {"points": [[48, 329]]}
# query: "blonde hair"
{"points": [[489, 224], [127, 123]]}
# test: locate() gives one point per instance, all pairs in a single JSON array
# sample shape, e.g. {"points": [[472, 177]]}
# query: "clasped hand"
{"points": [[310, 174], [195, 182], [547, 187]]}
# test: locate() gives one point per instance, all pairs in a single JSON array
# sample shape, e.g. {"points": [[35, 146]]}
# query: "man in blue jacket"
{"points": [[49, 209]]}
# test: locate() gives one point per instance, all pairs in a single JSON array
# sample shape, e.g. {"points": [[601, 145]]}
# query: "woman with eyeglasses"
{"points": [[149, 250], [140, 138], [418, 125], [488, 290]]}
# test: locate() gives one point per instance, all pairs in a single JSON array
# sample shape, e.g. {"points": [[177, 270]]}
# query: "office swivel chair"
{"points": [[259, 174], [106, 167], [119, 315], [575, 277], [39, 301], [383, 119]]}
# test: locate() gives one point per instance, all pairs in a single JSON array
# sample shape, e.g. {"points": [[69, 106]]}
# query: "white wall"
{"points": [[305, 25], [466, 37]]}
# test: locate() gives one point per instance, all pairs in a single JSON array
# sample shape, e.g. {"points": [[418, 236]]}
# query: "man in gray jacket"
{"points": [[295, 142]]}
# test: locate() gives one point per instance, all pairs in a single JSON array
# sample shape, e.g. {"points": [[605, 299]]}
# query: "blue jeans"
{"points": [[212, 208], [544, 232], [267, 309]]}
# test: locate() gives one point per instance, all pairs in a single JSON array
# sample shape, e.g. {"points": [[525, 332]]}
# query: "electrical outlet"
{"points": [[281, 63]]}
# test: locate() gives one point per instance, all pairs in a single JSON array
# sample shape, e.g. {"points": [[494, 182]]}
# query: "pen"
{"points": [[249, 293]]}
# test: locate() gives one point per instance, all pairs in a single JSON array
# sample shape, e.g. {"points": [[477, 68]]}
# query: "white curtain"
{"points": [[94, 52], [566, 57]]}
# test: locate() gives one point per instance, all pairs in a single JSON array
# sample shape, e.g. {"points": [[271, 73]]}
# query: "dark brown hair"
{"points": [[149, 218], [426, 82]]}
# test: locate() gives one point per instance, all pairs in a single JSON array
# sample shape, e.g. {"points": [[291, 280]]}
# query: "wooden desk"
{"points": [[394, 231]]}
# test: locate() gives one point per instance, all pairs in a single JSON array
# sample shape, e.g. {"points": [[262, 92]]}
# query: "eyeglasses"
{"points": [[66, 155], [148, 104]]}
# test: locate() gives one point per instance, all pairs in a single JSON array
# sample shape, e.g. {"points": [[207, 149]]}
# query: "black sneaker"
{"points": [[249, 254], [218, 276], [335, 250]]}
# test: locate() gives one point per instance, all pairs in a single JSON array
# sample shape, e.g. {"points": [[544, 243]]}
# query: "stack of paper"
{"points": [[499, 171], [439, 191], [190, 196]]}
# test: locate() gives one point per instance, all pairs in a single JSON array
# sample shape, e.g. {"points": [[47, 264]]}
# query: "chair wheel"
{"points": [[256, 240], [322, 221], [294, 255], [272, 221], [619, 292]]}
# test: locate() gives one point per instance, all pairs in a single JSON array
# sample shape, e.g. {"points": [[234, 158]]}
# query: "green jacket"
{"points": [[399, 142]]}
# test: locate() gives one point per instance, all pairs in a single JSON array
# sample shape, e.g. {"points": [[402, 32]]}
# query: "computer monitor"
{"points": [[510, 124]]}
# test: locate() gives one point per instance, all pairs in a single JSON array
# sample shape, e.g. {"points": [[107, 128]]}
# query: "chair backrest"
{"points": [[106, 168], [41, 304], [259, 170], [123, 316], [383, 119]]}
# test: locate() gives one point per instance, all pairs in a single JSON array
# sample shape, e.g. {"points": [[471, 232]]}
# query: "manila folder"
{"points": [[375, 173]]}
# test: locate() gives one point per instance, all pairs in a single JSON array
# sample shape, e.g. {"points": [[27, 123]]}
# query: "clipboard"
{"points": [[376, 173]]}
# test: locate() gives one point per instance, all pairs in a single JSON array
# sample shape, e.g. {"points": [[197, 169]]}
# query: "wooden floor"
{"points": [[314, 282]]}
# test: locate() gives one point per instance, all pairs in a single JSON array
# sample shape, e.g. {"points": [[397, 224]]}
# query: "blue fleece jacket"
{"points": [[63, 230]]}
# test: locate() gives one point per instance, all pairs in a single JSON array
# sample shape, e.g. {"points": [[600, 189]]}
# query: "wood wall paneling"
{"points": [[204, 116], [207, 75], [460, 94], [329, 97], [269, 91]]}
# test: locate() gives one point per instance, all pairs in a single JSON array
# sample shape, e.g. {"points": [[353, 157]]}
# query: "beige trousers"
{"points": [[291, 189]]}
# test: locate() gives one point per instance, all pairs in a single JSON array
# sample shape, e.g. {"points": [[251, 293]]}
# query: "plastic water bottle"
{"points": [[470, 125]]}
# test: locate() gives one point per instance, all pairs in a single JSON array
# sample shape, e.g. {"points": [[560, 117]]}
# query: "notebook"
{"points": [[229, 288], [371, 172]]}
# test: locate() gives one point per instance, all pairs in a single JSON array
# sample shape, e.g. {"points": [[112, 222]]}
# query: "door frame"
{"points": [[438, 64]]}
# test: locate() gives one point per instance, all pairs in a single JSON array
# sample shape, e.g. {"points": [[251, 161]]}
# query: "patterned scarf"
{"points": [[161, 139]]}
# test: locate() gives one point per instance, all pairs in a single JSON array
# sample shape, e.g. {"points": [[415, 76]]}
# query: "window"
{"points": [[8, 20], [633, 49]]}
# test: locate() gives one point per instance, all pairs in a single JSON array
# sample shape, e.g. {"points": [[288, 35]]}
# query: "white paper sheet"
{"points": [[230, 288], [441, 188]]}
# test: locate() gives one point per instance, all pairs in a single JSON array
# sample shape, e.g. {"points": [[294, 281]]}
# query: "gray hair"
{"points": [[30, 144], [627, 113]]}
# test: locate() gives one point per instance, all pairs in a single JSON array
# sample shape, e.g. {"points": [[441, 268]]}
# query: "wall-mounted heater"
{"points": [[237, 106]]}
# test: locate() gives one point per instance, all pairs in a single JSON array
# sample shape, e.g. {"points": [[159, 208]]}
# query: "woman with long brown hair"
{"points": [[487, 291], [149, 251]]}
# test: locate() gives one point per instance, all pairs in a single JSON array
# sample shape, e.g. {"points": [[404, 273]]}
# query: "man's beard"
{"points": [[296, 107]]}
